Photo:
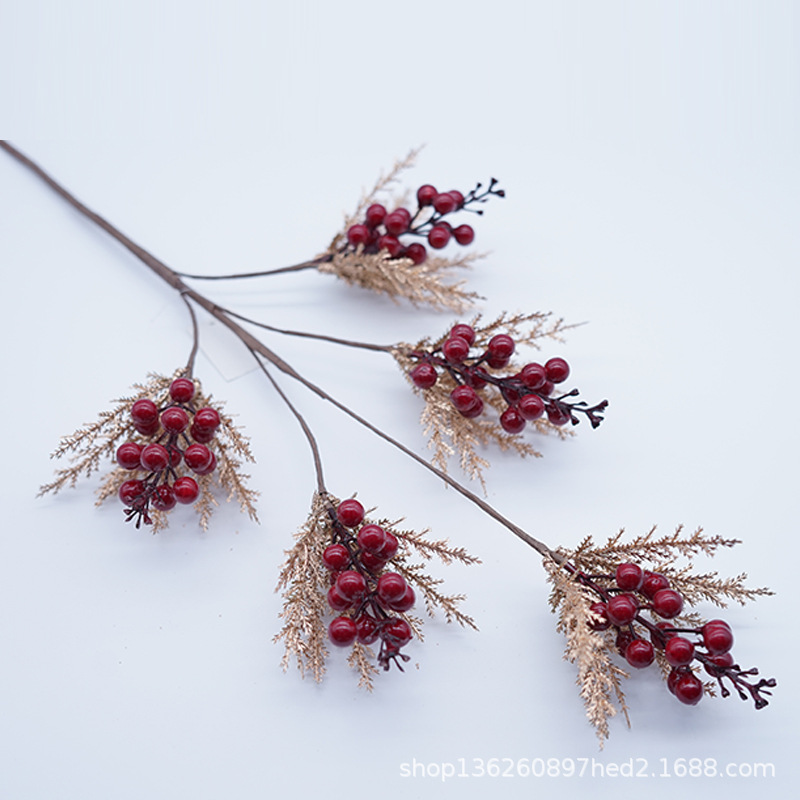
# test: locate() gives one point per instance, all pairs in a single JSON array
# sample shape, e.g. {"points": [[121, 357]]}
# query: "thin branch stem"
{"points": [[312, 264], [256, 346], [195, 337]]}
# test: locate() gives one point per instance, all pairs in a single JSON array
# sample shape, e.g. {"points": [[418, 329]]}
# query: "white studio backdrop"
{"points": [[650, 160]]}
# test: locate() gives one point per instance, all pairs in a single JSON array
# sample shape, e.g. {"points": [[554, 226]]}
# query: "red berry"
{"points": [[531, 406], [652, 583], [455, 349], [679, 651], [351, 585], [174, 420], [475, 410], [336, 556], [375, 214], [674, 676], [144, 412], [416, 252], [640, 653], [405, 603], [164, 498], [667, 603], [557, 370], [186, 490], [357, 234], [198, 457], [689, 689], [623, 639], [556, 415], [512, 421], [396, 223], [629, 576], [457, 196], [463, 331], [533, 376], [424, 375], [476, 377], [599, 610], [665, 629], [372, 561], [444, 203], [130, 491], [501, 346], [201, 435], [350, 513], [464, 234], [342, 631], [717, 637], [438, 237], [622, 608], [463, 398], [425, 194], [391, 587], [389, 547], [129, 455], [175, 456], [337, 601], [154, 458], [207, 470], [716, 665], [397, 632], [547, 388], [391, 244], [371, 537], [181, 390], [367, 629], [206, 419]]}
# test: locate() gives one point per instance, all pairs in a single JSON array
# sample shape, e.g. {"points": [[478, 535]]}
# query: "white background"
{"points": [[649, 151]]}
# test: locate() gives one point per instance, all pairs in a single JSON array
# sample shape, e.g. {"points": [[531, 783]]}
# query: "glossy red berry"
{"points": [[463, 331], [679, 651], [464, 234], [336, 557], [198, 457], [438, 237], [640, 653], [357, 234], [474, 410], [206, 419], [342, 631], [716, 665], [405, 603], [667, 603], [337, 601], [175, 456], [154, 458], [622, 608], [181, 390], [425, 194], [389, 547], [367, 629], [652, 583], [201, 435], [209, 468], [391, 587], [371, 561], [130, 491], [424, 375], [455, 349], [371, 537], [557, 370], [444, 203], [351, 585], [501, 346], [375, 215], [533, 376], [629, 576], [666, 633], [174, 420], [512, 421], [144, 412], [397, 632], [416, 252], [688, 689], [186, 490], [457, 196], [396, 223], [164, 498], [350, 513], [546, 388], [464, 398], [129, 455], [556, 415], [717, 637], [623, 639], [531, 406], [602, 622], [391, 244]]}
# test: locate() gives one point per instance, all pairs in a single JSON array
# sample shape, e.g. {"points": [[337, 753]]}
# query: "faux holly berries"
{"points": [[176, 435], [390, 231]]}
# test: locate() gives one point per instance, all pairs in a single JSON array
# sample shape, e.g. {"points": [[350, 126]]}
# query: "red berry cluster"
{"points": [[361, 587], [527, 393], [632, 590], [179, 432], [382, 229]]}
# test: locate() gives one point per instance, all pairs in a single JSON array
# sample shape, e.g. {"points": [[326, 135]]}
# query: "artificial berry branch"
{"points": [[608, 599]]}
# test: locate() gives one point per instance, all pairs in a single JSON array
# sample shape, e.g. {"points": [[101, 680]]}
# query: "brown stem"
{"points": [[195, 338], [257, 347], [312, 264]]}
